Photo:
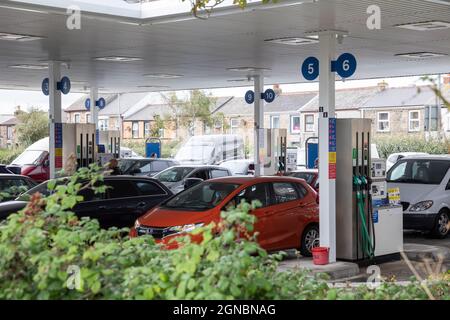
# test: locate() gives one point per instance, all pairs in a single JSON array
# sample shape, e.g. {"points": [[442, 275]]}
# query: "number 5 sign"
{"points": [[310, 68]]}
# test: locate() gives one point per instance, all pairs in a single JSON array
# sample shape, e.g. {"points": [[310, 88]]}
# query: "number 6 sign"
{"points": [[310, 68], [345, 65]]}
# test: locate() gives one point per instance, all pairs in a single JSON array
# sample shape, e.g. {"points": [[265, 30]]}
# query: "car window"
{"points": [[148, 188], [202, 174], [146, 167], [121, 189], [216, 173], [257, 192], [13, 186], [159, 165], [307, 176], [174, 174], [421, 171], [302, 192], [89, 195], [284, 192]]}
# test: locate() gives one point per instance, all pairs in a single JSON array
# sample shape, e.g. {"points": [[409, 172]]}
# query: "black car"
{"points": [[144, 166], [12, 185], [126, 198]]}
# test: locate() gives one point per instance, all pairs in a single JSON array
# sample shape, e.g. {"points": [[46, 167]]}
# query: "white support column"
{"points": [[93, 95], [327, 206], [259, 121], [54, 69]]}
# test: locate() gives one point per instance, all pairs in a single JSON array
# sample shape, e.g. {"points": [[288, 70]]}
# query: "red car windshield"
{"points": [[201, 197]]}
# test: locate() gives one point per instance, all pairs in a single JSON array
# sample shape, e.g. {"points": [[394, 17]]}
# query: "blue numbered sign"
{"points": [[64, 85], [87, 104], [310, 68], [250, 97], [345, 65], [46, 86], [101, 103], [269, 95]]}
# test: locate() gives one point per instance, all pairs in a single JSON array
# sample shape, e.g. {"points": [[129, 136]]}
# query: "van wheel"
{"points": [[309, 240], [441, 225]]}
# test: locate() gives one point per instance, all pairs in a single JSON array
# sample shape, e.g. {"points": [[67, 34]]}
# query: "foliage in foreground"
{"points": [[43, 247]]}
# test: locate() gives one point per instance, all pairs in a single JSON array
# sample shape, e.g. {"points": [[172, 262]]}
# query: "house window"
{"points": [[9, 133], [383, 122], [135, 130], [275, 122], [88, 118], [431, 118], [295, 124], [309, 123], [146, 129], [103, 124], [234, 125], [414, 121], [76, 118]]}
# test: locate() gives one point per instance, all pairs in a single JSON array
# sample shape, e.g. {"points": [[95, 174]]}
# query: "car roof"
{"points": [[151, 159], [205, 166], [251, 179], [428, 157], [305, 170], [11, 175]]}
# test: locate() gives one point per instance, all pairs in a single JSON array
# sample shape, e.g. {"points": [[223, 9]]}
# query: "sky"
{"points": [[9, 99]]}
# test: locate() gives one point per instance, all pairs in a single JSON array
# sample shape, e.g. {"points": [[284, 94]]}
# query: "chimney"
{"points": [[383, 85], [277, 89], [446, 80]]}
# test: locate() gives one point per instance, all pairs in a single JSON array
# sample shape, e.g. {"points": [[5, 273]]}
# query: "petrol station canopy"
{"points": [[159, 45]]}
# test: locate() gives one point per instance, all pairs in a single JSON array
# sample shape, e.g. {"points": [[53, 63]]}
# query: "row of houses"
{"points": [[394, 111]]}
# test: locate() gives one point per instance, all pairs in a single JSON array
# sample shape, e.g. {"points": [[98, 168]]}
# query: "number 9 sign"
{"points": [[250, 97], [310, 68], [346, 65]]}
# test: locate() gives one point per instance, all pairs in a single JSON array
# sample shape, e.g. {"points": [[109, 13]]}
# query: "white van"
{"points": [[211, 149], [424, 183]]}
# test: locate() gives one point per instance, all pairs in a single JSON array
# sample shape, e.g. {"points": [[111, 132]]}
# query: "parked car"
{"points": [[424, 183], [311, 176], [144, 166], [4, 169], [393, 158], [34, 161], [211, 149], [12, 185], [288, 217], [175, 177], [240, 167], [128, 153], [126, 199]]}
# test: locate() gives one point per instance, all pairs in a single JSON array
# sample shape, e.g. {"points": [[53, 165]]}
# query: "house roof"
{"points": [[346, 99], [7, 119], [10, 122], [122, 103], [79, 105], [285, 102], [148, 113], [402, 97]]}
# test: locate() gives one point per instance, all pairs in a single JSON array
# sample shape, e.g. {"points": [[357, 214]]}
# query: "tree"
{"points": [[206, 6], [33, 126], [185, 113]]}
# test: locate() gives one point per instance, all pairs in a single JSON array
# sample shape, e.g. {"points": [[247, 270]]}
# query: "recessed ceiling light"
{"points": [[247, 69], [118, 59], [447, 2], [153, 87], [293, 41], [163, 75], [239, 80], [17, 37], [30, 66], [425, 25], [420, 55]]}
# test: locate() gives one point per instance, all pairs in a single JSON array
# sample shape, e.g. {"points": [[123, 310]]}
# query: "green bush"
{"points": [[389, 145], [48, 253], [8, 155]]}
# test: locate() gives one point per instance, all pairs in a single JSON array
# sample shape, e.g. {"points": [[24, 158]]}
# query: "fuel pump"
{"points": [[358, 237], [78, 139], [108, 146], [272, 154]]}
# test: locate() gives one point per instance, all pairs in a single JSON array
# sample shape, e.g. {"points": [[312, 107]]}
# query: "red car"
{"points": [[288, 218]]}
